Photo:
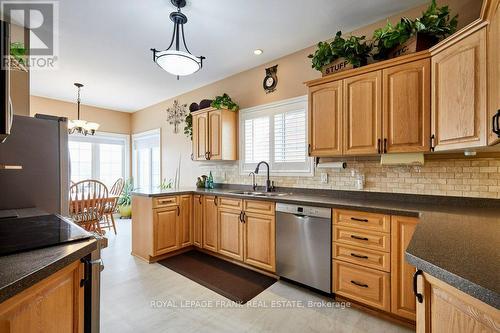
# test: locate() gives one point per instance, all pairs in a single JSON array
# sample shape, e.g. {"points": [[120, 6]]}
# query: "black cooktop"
{"points": [[29, 233]]}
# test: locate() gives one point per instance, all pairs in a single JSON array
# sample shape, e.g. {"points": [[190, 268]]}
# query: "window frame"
{"points": [[104, 138], [145, 134], [270, 110]]}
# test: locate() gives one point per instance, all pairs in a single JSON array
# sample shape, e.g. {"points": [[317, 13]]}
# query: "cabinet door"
{"points": [[165, 230], [185, 220], [325, 119], [407, 107], [198, 220], [230, 233], [459, 94], [215, 134], [56, 304], [210, 224], [363, 114], [200, 136], [260, 241], [402, 297], [493, 68]]}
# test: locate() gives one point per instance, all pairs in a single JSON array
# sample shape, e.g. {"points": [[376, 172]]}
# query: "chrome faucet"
{"points": [[254, 183], [268, 181]]}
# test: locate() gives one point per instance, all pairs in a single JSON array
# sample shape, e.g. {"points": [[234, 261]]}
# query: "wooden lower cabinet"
{"points": [[447, 309], [185, 220], [166, 230], [403, 302], [210, 223], [260, 241], [198, 220], [55, 304], [230, 233]]}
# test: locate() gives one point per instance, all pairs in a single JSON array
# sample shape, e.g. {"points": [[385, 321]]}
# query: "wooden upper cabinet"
{"points": [[55, 304], [166, 230], [406, 107], [210, 224], [198, 220], [211, 128], [260, 241], [185, 220], [200, 136], [362, 113], [402, 296], [493, 29], [325, 119], [231, 233], [459, 94]]}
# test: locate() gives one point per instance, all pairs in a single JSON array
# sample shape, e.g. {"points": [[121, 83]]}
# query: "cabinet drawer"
{"points": [[365, 285], [259, 207], [165, 201], [230, 203], [365, 220], [367, 239], [362, 256]]}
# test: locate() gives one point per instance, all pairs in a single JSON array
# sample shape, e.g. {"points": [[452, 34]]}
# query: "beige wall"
{"points": [[110, 121], [20, 80], [246, 89]]}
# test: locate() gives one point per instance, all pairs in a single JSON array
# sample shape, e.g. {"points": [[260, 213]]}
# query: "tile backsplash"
{"points": [[478, 177]]}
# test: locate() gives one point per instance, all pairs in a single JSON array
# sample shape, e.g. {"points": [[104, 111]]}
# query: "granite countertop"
{"points": [[19, 271], [457, 239]]}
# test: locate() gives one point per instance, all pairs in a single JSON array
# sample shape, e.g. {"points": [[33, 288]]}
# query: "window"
{"points": [[146, 159], [103, 157], [276, 133]]}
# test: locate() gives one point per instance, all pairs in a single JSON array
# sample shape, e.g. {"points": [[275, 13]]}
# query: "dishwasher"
{"points": [[303, 245]]}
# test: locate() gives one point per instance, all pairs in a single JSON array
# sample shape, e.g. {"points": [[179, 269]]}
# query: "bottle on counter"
{"points": [[210, 180]]}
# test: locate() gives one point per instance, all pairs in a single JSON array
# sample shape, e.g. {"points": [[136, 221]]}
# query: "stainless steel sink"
{"points": [[261, 194]]}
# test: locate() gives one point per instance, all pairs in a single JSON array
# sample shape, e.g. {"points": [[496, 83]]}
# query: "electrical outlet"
{"points": [[324, 178]]}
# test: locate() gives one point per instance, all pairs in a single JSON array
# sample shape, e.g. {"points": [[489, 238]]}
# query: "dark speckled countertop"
{"points": [[457, 239], [20, 271]]}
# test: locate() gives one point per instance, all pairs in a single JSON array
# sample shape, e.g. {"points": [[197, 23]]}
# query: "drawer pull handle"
{"points": [[359, 238], [419, 296], [359, 256], [359, 284], [359, 220]]}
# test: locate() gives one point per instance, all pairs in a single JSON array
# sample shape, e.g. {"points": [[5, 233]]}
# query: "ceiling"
{"points": [[105, 44]]}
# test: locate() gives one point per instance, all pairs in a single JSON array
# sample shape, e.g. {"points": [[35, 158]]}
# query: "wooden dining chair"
{"points": [[87, 202], [108, 220]]}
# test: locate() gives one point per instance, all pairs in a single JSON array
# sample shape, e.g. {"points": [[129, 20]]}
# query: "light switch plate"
{"points": [[324, 178]]}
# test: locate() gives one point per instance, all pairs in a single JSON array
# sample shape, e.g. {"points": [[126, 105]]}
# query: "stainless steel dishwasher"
{"points": [[303, 245]]}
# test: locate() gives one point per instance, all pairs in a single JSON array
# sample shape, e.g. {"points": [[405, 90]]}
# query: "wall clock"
{"points": [[271, 79]]}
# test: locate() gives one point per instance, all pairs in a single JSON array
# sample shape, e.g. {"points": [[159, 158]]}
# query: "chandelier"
{"points": [[175, 61], [78, 125]]}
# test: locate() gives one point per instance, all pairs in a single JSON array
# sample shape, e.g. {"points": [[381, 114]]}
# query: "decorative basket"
{"points": [[416, 43], [336, 66]]}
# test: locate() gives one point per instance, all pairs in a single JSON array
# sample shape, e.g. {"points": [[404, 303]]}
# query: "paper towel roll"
{"points": [[332, 165]]}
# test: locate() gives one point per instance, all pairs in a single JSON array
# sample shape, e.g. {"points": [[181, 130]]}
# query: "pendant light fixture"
{"points": [[78, 125], [173, 59]]}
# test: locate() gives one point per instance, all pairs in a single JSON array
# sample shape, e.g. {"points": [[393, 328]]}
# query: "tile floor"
{"points": [[139, 297]]}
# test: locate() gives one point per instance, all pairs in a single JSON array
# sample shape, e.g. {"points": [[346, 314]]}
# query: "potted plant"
{"points": [[224, 102], [409, 36], [125, 201], [341, 54]]}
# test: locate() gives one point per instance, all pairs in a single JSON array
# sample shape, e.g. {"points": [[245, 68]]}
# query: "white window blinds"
{"points": [[276, 133]]}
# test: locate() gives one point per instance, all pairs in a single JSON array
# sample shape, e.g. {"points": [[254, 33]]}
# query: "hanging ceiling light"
{"points": [[78, 125], [178, 62]]}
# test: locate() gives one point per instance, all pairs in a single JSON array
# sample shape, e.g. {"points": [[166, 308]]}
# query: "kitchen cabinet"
{"points": [[212, 127], [198, 220], [210, 223], [363, 113], [161, 225], [231, 233], [55, 304], [260, 241], [402, 297], [325, 119], [447, 309], [406, 107], [492, 13], [459, 92]]}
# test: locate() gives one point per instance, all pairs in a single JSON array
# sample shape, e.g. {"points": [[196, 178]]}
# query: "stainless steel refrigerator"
{"points": [[34, 165]]}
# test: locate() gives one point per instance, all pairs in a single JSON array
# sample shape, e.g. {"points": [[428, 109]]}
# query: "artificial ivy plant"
{"points": [[224, 102], [188, 129], [18, 52]]}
